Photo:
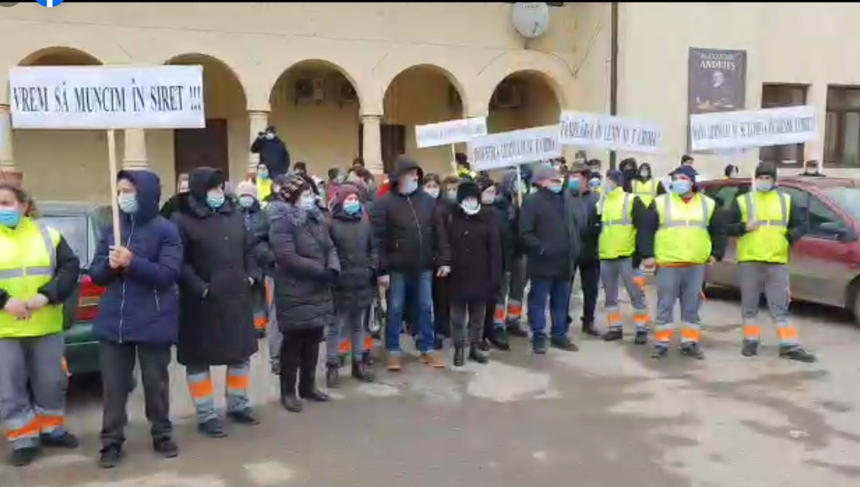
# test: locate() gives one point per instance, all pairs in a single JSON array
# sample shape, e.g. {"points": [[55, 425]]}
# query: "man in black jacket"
{"points": [[583, 204], [273, 152], [551, 242], [412, 244]]}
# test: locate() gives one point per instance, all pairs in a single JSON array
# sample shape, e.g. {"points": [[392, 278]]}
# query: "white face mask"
{"points": [[488, 198], [470, 206]]}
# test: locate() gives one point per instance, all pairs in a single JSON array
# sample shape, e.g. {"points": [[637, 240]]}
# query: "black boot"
{"points": [[308, 387], [515, 330], [289, 399], [798, 353], [614, 334], [484, 345], [660, 352], [361, 372], [292, 403], [332, 376], [245, 416], [588, 328], [499, 339], [23, 456], [539, 345], [749, 348], [367, 358], [693, 350], [459, 356], [476, 355], [563, 343], [641, 337], [214, 428]]}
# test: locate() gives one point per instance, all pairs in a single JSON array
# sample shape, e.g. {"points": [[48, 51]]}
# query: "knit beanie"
{"points": [[246, 188], [616, 177], [687, 171], [293, 188], [345, 190], [766, 169], [468, 189]]}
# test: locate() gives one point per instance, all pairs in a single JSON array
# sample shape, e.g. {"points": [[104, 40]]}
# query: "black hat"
{"points": [[766, 169], [292, 188], [468, 189]]}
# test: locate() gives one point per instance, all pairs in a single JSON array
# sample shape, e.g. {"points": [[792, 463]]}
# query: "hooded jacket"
{"points": [[273, 153], [140, 303], [409, 232], [549, 235], [352, 235]]}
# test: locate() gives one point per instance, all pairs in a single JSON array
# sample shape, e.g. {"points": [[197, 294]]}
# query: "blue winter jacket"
{"points": [[140, 304]]}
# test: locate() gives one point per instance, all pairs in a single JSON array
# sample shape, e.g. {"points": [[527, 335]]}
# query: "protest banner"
{"points": [[753, 128], [608, 132], [449, 133], [107, 98], [496, 151]]}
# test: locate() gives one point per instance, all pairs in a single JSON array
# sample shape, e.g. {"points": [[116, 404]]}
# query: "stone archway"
{"points": [[521, 100]]}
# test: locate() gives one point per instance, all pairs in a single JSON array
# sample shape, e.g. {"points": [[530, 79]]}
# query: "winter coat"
{"points": [[409, 235], [257, 222], [501, 212], [170, 207], [216, 322], [549, 235], [273, 153], [583, 207], [307, 267], [352, 235], [476, 256], [141, 303]]}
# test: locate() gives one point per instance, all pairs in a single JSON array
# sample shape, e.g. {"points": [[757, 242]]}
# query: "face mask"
{"points": [[352, 207], [470, 206], [433, 192], [644, 174], [555, 188], [763, 186], [594, 183], [681, 187], [127, 203], [246, 201], [270, 136], [488, 199], [410, 186], [263, 174], [214, 200], [574, 184], [451, 196], [183, 188], [307, 203], [10, 218]]}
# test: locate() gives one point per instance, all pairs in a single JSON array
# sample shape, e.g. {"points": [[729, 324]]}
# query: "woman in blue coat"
{"points": [[137, 317]]}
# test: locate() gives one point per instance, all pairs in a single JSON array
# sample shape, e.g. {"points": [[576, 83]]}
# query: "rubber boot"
{"points": [[459, 356]]}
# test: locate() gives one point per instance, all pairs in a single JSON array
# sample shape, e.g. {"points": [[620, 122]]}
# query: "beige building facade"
{"points": [[346, 80]]}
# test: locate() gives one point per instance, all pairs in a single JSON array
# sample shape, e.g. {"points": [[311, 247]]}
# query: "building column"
{"points": [[372, 144], [134, 154], [259, 120], [9, 172], [817, 97]]}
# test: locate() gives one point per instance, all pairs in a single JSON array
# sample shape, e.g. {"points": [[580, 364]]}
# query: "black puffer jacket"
{"points": [[307, 267], [583, 207], [549, 235], [409, 233], [501, 213], [257, 223], [476, 256], [356, 251]]}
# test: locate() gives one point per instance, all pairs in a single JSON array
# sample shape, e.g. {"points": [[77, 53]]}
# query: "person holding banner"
{"points": [[551, 243], [766, 222], [38, 272], [583, 203], [687, 233]]}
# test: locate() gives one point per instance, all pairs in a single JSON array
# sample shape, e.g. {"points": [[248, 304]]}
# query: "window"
{"points": [[783, 95], [842, 126], [847, 198], [819, 214], [725, 195]]}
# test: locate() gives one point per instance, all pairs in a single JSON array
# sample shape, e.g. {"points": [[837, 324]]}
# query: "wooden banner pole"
{"points": [[111, 140]]}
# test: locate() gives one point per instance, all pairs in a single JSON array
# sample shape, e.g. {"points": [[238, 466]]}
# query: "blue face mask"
{"points": [[410, 186], [574, 184], [214, 200], [681, 187], [10, 218], [127, 203], [246, 201], [263, 174], [594, 183], [555, 188], [763, 186], [470, 206], [307, 203], [352, 207]]}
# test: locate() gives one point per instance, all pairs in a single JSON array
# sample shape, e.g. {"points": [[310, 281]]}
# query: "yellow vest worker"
{"points": [[264, 189], [38, 272], [765, 223], [646, 190], [689, 235], [619, 214]]}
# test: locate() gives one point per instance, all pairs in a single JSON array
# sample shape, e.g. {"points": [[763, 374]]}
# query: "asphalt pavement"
{"points": [[608, 415]]}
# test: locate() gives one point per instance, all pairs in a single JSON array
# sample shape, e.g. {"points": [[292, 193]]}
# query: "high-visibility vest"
{"points": [[768, 243], [28, 259], [264, 188], [682, 236], [617, 233], [466, 173], [646, 191]]}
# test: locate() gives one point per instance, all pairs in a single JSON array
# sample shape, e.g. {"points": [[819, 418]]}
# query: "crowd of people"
{"points": [[450, 256]]}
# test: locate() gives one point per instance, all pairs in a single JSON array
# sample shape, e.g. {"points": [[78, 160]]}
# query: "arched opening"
{"points": [[419, 95], [222, 144], [522, 100], [77, 159], [315, 110]]}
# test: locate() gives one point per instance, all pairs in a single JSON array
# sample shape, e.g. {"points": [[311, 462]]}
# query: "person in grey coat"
{"points": [[307, 268], [354, 290]]}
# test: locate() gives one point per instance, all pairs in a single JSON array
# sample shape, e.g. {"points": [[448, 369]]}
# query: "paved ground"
{"points": [[606, 416]]}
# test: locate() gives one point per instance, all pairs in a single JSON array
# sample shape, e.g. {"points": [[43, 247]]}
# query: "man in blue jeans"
{"points": [[550, 239], [412, 244]]}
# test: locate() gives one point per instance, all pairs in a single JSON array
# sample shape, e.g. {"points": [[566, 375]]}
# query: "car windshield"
{"points": [[76, 232], [847, 198]]}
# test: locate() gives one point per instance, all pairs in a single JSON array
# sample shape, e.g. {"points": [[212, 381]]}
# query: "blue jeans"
{"points": [[419, 289], [557, 292]]}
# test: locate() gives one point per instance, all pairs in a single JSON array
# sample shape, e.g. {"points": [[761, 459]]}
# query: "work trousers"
{"points": [[348, 325], [203, 391], [508, 309], [772, 280], [299, 357], [611, 272], [467, 323], [682, 284], [117, 362], [557, 293], [39, 362]]}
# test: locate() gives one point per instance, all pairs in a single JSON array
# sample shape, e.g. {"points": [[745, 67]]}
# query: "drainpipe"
{"points": [[613, 70]]}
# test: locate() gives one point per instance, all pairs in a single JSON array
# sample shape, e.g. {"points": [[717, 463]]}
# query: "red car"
{"points": [[825, 263]]}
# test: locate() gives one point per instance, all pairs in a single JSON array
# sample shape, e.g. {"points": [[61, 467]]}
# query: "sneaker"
{"points": [[797, 353], [539, 345], [166, 448], [693, 350], [64, 440], [613, 335], [23, 456], [749, 348], [213, 428], [564, 343], [245, 416], [431, 359], [660, 352], [641, 337], [110, 456], [394, 362]]}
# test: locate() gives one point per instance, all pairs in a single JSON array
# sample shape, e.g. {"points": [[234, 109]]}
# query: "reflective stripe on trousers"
{"points": [[203, 391], [772, 280], [611, 271], [682, 284]]}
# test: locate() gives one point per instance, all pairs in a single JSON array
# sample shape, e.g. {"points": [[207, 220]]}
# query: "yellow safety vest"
{"points": [[617, 233], [264, 188], [768, 243], [28, 259], [682, 237], [646, 191]]}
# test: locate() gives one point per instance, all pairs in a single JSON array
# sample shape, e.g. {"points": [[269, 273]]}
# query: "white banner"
{"points": [[100, 97], [450, 132], [608, 132], [513, 148], [753, 128]]}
